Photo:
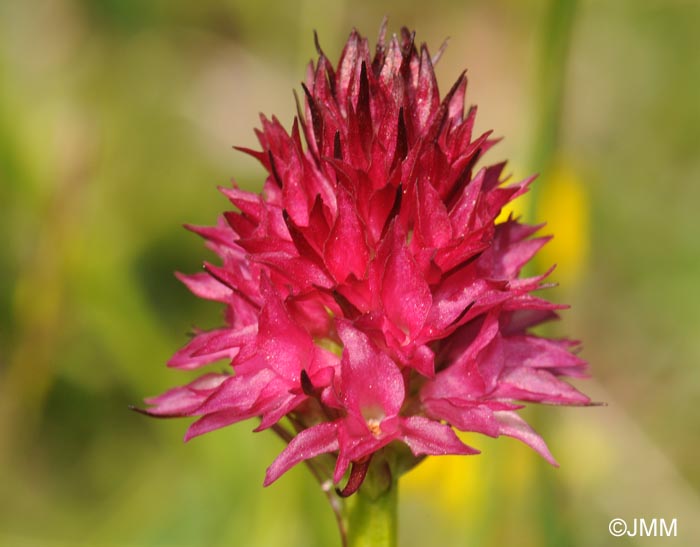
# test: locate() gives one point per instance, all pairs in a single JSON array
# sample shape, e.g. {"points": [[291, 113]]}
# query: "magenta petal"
{"points": [[423, 361], [462, 213], [211, 422], [285, 346], [488, 419], [540, 386], [219, 236], [453, 297], [432, 223], [456, 102], [205, 286], [181, 401], [356, 442], [300, 271], [225, 341], [510, 250], [240, 392], [277, 408], [372, 384], [518, 322], [249, 203], [427, 97], [346, 250], [426, 436], [208, 347], [537, 352], [347, 68], [512, 425], [311, 442], [405, 294]]}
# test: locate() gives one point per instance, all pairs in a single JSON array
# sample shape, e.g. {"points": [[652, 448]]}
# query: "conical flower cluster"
{"points": [[372, 299]]}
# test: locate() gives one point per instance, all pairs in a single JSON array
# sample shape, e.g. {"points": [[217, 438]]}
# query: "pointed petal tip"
{"points": [[262, 427], [441, 52], [269, 479], [382, 31], [470, 451], [139, 410], [151, 414], [189, 435], [317, 44]]}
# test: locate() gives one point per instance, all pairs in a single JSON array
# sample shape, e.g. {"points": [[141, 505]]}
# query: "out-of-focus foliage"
{"points": [[116, 122]]}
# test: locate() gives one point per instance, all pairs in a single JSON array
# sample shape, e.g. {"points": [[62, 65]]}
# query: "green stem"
{"points": [[550, 89], [371, 516]]}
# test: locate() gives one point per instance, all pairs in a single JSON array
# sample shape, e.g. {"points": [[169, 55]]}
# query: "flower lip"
{"points": [[375, 426]]}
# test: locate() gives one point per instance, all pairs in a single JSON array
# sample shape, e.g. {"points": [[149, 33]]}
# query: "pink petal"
{"points": [[510, 250], [223, 340], [284, 346], [537, 352], [427, 95], [456, 102], [370, 381], [311, 442], [183, 400], [249, 203], [345, 251], [205, 286], [481, 418], [426, 436], [433, 226], [453, 296], [219, 235], [538, 385], [210, 346], [302, 272], [211, 422], [405, 294], [356, 442], [240, 392], [514, 426]]}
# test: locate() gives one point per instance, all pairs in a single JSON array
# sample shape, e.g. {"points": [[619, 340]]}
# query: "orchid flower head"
{"points": [[373, 301]]}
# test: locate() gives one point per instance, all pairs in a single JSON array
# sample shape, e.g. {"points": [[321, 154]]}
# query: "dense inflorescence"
{"points": [[372, 298]]}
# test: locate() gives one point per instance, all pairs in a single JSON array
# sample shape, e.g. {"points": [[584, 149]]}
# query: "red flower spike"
{"points": [[371, 296]]}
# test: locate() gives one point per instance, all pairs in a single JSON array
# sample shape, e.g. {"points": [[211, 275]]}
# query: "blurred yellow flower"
{"points": [[564, 202]]}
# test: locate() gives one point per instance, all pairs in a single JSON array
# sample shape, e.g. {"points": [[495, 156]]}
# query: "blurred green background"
{"points": [[117, 119]]}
